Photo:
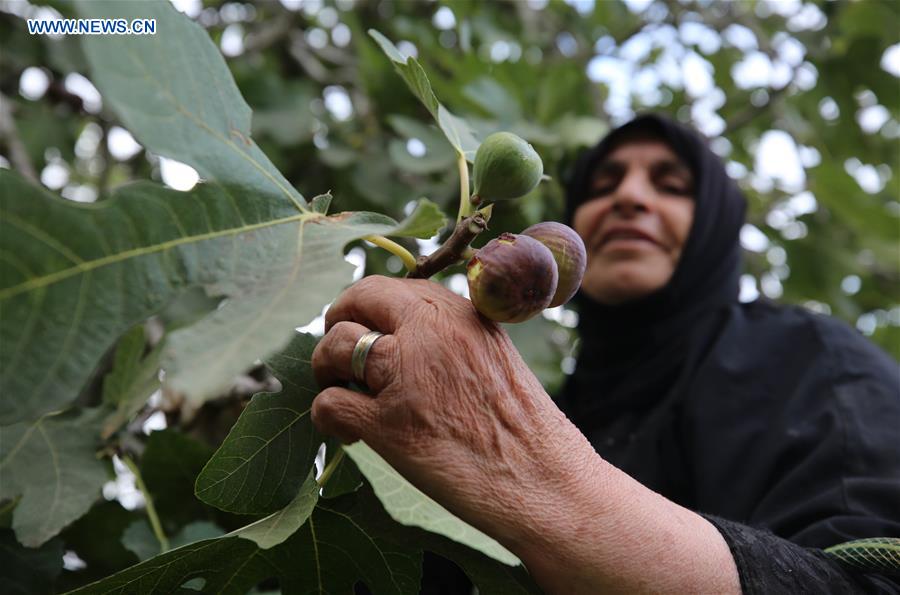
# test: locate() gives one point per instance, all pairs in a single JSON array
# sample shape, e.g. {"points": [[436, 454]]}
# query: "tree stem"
{"points": [[409, 261], [465, 205], [148, 500], [330, 467]]}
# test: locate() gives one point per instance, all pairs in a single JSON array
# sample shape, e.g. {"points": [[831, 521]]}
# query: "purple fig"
{"points": [[512, 278], [568, 251]]}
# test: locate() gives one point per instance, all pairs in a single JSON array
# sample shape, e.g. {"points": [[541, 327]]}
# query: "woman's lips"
{"points": [[626, 238]]}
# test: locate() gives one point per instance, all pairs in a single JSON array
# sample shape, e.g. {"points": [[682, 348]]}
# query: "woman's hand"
{"points": [[452, 406], [455, 410]]}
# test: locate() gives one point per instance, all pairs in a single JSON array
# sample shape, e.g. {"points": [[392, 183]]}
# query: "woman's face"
{"points": [[635, 222]]}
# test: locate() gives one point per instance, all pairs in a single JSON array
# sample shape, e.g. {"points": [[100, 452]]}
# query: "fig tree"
{"points": [[506, 166], [512, 278], [569, 253]]}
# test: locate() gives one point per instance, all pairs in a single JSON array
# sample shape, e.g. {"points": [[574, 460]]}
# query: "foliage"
{"points": [[178, 295]]}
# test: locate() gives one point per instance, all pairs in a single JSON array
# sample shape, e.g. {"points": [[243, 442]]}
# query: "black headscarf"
{"points": [[765, 414], [634, 354]]}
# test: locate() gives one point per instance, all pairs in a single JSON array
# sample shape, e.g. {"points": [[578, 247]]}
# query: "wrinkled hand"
{"points": [[455, 410], [452, 406]]}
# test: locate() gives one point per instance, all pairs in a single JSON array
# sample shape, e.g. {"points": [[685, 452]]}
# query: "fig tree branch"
{"points": [[453, 250]]}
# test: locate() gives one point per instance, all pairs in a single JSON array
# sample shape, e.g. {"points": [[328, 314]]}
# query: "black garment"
{"points": [[779, 426], [769, 416], [789, 423]]}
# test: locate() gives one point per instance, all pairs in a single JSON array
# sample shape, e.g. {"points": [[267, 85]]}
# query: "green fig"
{"points": [[569, 253], [512, 278], [506, 166]]}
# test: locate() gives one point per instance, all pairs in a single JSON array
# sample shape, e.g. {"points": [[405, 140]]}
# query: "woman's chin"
{"points": [[623, 280]]}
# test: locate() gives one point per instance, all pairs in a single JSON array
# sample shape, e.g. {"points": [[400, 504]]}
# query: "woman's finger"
{"points": [[332, 357], [375, 301], [343, 413]]}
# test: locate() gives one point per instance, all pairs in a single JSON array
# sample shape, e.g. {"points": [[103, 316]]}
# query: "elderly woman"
{"points": [[701, 445]]}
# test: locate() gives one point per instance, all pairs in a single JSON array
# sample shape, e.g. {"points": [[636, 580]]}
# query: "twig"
{"points": [[58, 93], [269, 34], [18, 154], [103, 178], [409, 261], [148, 500], [451, 251], [330, 467], [465, 205], [747, 115], [299, 50]]}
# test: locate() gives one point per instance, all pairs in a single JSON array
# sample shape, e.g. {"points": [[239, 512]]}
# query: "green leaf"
{"points": [[283, 112], [333, 550], [489, 576], [197, 531], [189, 307], [177, 96], [458, 132], [494, 98], [97, 539], [411, 72], [52, 465], [169, 466], [869, 19], [278, 526], [346, 479], [374, 179], [576, 132], [132, 380], [93, 271], [429, 163], [28, 571], [321, 203], [345, 540], [108, 266], [438, 155], [409, 506], [139, 539], [266, 456], [454, 128], [126, 366], [305, 271], [424, 222]]}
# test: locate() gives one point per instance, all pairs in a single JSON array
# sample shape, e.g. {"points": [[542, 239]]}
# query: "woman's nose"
{"points": [[632, 196]]}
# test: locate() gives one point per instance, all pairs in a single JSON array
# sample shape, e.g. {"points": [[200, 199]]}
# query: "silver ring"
{"points": [[358, 359]]}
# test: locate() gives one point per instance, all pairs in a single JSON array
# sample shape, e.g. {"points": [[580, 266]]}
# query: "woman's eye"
{"points": [[675, 188], [603, 189]]}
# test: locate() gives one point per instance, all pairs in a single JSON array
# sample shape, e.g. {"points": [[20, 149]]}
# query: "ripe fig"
{"points": [[506, 166], [512, 278], [569, 253]]}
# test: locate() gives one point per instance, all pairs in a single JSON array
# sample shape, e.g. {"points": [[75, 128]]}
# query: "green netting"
{"points": [[874, 554]]}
